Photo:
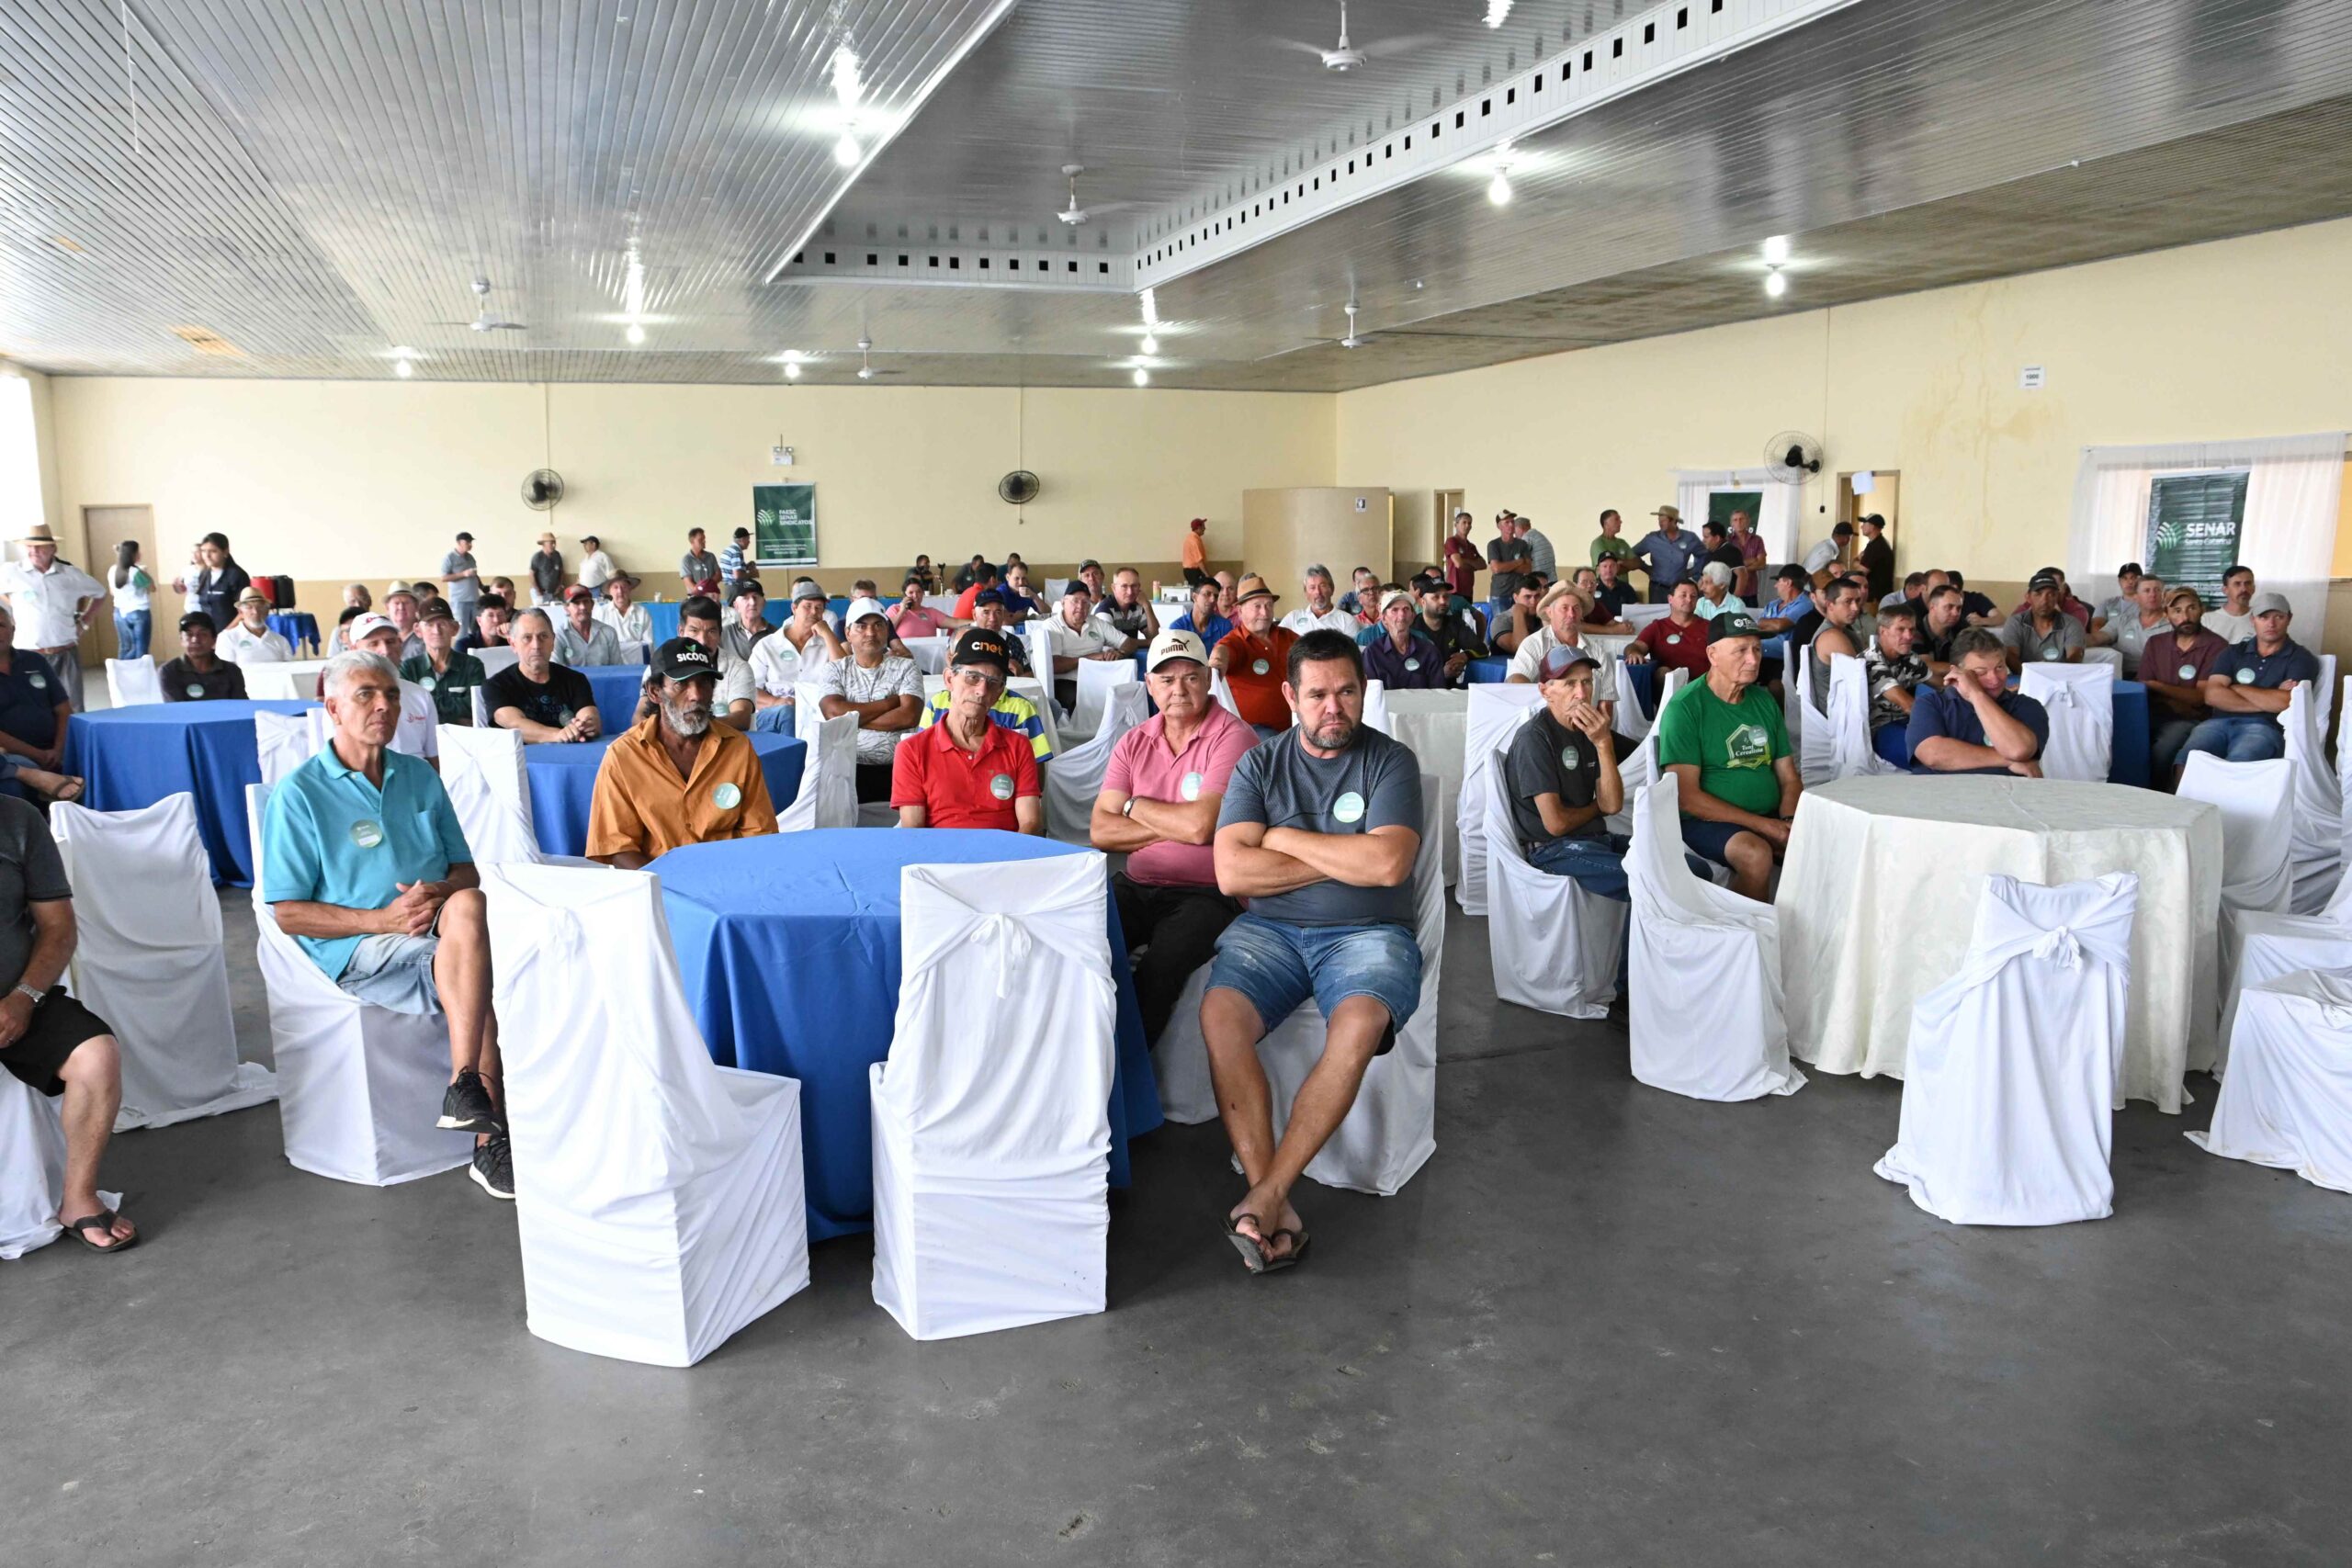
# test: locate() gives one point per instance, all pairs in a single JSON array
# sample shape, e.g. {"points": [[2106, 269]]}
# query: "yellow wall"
{"points": [[2242, 337], [321, 480]]}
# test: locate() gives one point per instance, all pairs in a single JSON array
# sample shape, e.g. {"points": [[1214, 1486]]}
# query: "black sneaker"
{"points": [[466, 1107], [493, 1167]]}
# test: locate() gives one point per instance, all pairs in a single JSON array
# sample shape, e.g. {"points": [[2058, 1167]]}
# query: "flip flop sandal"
{"points": [[102, 1221], [1295, 1256], [1253, 1254]]}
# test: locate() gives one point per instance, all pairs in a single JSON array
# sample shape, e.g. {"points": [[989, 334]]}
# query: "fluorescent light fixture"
{"points": [[1142, 376], [1150, 308], [403, 370], [1496, 10], [848, 86], [847, 152], [1776, 283], [1776, 251], [1150, 343], [792, 370]]}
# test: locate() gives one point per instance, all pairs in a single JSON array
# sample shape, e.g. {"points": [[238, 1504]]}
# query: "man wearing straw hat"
{"points": [[50, 600]]}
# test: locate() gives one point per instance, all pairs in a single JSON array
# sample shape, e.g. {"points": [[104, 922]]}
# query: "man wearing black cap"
{"points": [[1562, 768], [2042, 631], [675, 777], [197, 674], [2125, 604], [1821, 562], [1877, 557], [463, 579], [1728, 747], [735, 562], [967, 770]]}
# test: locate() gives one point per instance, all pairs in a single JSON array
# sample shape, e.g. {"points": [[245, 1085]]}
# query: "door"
{"points": [[103, 527], [1447, 503]]}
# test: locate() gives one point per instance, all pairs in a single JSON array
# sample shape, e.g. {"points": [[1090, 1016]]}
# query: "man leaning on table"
{"points": [[1726, 742], [1973, 723], [677, 776], [967, 770]]}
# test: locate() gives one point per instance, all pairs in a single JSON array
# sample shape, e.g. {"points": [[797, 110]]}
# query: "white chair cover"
{"points": [[1638, 768], [2256, 826], [149, 960], [1851, 751], [2343, 772], [2324, 691], [1097, 680], [828, 796], [1391, 1131], [809, 711], [358, 1087], [1639, 615], [930, 653], [991, 1121], [1076, 776], [1432, 724], [1223, 692], [481, 708], [1038, 635], [2288, 1101], [1496, 708], [1810, 731], [1631, 720], [636, 652], [2015, 1065], [2316, 838], [2081, 702], [285, 741], [494, 660], [1723, 1038], [657, 1198], [1375, 707], [32, 1169], [133, 681], [285, 680], [482, 770], [2260, 948], [1555, 947]]}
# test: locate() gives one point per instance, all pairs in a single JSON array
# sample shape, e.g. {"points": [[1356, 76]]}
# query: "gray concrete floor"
{"points": [[1604, 1325]]}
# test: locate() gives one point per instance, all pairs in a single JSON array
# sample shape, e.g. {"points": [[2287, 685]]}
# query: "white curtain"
{"points": [[1783, 503], [2292, 495]]}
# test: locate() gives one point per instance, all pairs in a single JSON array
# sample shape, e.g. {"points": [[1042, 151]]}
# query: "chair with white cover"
{"points": [[32, 1169], [149, 958], [1223, 693], [1076, 776], [992, 1124], [1098, 679], [2014, 1066], [1638, 768], [1375, 707], [2080, 699], [2257, 948], [483, 772], [828, 796], [1037, 635], [1851, 753], [1639, 615], [1809, 728], [2256, 827], [930, 653], [2315, 840], [285, 741], [1391, 1131], [1494, 710], [131, 682], [482, 707], [358, 1087], [2288, 1101], [1554, 946], [1632, 720], [494, 660], [660, 1205], [636, 651], [1702, 979]]}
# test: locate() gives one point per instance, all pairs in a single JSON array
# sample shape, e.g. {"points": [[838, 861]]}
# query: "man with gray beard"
{"points": [[674, 777]]}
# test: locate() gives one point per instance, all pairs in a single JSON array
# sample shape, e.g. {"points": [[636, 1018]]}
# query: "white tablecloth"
{"points": [[287, 679], [1881, 886], [1432, 723]]}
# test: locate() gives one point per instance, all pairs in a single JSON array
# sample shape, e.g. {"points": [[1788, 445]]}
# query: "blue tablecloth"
{"points": [[134, 756], [563, 785], [299, 627], [616, 687], [663, 615], [1488, 671], [789, 948]]}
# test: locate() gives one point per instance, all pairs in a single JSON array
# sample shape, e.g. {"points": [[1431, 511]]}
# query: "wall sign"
{"points": [[783, 524]]}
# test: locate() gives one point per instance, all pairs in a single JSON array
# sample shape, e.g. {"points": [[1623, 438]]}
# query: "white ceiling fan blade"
{"points": [[1317, 49], [1389, 46]]}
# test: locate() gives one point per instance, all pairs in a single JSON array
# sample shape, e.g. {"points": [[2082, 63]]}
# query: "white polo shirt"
{"points": [[48, 604], [239, 646]]}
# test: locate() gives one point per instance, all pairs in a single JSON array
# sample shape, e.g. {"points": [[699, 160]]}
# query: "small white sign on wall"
{"points": [[2029, 379], [781, 456]]}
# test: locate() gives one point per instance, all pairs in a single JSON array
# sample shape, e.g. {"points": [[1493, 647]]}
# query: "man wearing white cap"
{"points": [[249, 639], [52, 600], [884, 690]]}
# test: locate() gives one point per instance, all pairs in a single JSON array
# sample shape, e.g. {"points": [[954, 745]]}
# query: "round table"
{"points": [[618, 687], [562, 780], [1879, 893], [299, 627], [789, 950], [134, 756]]}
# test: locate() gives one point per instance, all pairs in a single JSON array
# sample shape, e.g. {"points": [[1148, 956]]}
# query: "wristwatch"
{"points": [[1127, 806], [36, 997]]}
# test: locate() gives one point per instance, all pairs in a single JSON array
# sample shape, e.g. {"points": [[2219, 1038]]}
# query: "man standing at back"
{"points": [[462, 578], [1319, 830], [1539, 548], [1877, 557], [1509, 558], [52, 600], [1669, 554]]}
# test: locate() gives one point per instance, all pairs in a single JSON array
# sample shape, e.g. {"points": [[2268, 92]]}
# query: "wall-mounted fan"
{"points": [[1793, 456], [1018, 486], [542, 488]]}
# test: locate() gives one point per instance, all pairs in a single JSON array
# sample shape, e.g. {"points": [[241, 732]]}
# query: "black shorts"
{"points": [[60, 1025]]}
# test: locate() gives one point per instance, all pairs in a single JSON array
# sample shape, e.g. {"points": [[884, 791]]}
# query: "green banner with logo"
{"points": [[2194, 523], [783, 524]]}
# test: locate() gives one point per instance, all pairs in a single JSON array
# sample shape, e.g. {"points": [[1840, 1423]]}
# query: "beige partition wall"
{"points": [[1284, 531]]}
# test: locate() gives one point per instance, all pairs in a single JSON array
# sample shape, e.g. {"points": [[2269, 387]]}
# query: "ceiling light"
{"points": [[1142, 376], [1499, 189], [1150, 308], [848, 86], [847, 152], [403, 370], [791, 370], [1776, 251], [636, 333], [1776, 283], [1496, 11], [1150, 343]]}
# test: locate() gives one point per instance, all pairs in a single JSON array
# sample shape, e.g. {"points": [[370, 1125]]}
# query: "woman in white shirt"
{"points": [[133, 590]]}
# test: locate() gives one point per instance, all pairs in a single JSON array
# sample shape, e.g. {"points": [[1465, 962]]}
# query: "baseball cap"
{"points": [[683, 659], [1172, 644], [1253, 587], [804, 589], [438, 610], [2129, 568], [861, 608], [195, 618], [2041, 580], [578, 592], [2263, 604], [465, 537], [988, 596], [741, 586], [1077, 585], [1731, 623], [366, 626], [1563, 659], [979, 645]]}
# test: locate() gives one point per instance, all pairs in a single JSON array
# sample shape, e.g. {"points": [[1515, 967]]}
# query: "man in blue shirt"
{"points": [[1202, 620], [1670, 555], [1975, 724], [364, 867], [2251, 685]]}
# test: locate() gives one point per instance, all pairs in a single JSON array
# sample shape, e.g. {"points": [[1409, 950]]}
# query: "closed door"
{"points": [[1449, 502], [103, 527]]}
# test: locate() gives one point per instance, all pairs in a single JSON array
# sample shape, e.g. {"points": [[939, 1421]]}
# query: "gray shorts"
{"points": [[394, 973]]}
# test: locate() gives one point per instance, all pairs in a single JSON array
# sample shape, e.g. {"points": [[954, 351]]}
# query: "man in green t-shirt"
{"points": [[1728, 748], [1609, 544]]}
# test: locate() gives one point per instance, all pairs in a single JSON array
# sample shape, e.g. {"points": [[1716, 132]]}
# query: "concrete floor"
{"points": [[1604, 1325]]}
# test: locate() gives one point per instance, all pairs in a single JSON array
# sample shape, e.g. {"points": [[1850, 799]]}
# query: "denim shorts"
{"points": [[1277, 965], [394, 973], [1710, 839]]}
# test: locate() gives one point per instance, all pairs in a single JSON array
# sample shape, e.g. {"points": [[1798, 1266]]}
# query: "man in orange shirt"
{"points": [[1254, 656], [675, 777], [1196, 553]]}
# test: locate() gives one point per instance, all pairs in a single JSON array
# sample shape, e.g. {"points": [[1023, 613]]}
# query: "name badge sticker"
{"points": [[1259, 667], [367, 834], [1349, 807], [1000, 786], [1189, 788], [727, 796]]}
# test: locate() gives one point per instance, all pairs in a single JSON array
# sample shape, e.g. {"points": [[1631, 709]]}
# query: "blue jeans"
{"points": [[1598, 865], [1277, 965], [131, 633], [2239, 738]]}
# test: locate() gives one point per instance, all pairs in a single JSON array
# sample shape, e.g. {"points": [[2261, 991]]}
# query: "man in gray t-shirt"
{"points": [[1319, 831], [462, 578]]}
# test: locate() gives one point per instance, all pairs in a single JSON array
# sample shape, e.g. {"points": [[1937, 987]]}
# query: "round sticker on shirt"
{"points": [[1259, 667], [562, 718], [727, 796], [1349, 807], [196, 689], [1189, 788], [2188, 672], [1674, 637], [1000, 786], [1412, 664], [37, 680], [427, 682], [2245, 677], [1568, 758], [367, 834], [2049, 653]]}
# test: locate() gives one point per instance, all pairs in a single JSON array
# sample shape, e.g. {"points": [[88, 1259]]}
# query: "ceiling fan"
{"points": [[483, 321], [1347, 56], [1074, 214], [866, 371]]}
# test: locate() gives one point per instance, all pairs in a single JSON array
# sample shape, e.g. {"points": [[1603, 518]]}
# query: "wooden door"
{"points": [[103, 527]]}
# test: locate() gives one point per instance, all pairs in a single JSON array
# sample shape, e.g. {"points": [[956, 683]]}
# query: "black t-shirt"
{"points": [[1609, 602], [183, 682], [1546, 757], [565, 692], [1728, 554], [1973, 604], [32, 872], [1878, 560], [474, 642]]}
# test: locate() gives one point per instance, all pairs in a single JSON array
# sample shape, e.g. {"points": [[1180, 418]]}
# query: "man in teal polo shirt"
{"points": [[364, 864]]}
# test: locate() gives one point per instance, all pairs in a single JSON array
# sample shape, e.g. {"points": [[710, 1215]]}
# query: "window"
{"points": [[2194, 520]]}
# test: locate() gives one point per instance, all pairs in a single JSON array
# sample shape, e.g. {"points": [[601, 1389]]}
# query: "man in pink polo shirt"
{"points": [[1159, 805]]}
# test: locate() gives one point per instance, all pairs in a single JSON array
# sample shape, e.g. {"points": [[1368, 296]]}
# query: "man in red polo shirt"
{"points": [[1254, 655], [967, 771]]}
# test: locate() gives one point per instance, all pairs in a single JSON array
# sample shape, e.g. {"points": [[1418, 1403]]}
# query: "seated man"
{"points": [[2173, 666], [990, 613], [1126, 618], [400, 609], [197, 674], [632, 622], [1714, 591], [445, 675], [1319, 613], [699, 620], [1401, 658], [489, 627], [47, 1040], [419, 731], [1599, 615], [884, 690], [1520, 620], [583, 641], [1678, 639], [1562, 768], [1832, 635], [1894, 673], [749, 626], [1077, 633], [1727, 745], [1914, 585], [1161, 792], [541, 699], [676, 777], [968, 770], [1944, 623], [2232, 619], [2042, 630], [1448, 626], [1563, 617], [1202, 620], [249, 639], [1973, 723], [1253, 655], [1362, 582], [1318, 830], [2250, 686], [364, 867]]}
